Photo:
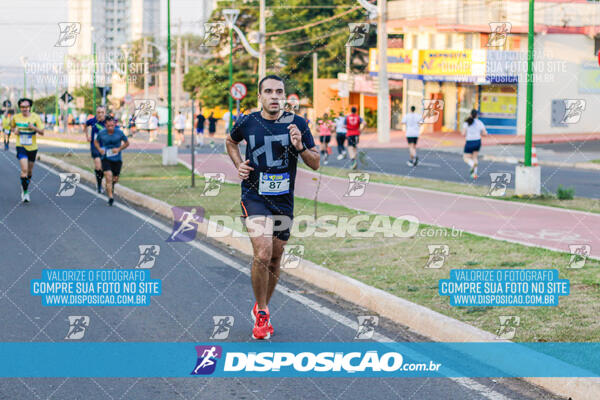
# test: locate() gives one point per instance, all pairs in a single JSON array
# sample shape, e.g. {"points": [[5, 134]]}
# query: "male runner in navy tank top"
{"points": [[274, 141]]}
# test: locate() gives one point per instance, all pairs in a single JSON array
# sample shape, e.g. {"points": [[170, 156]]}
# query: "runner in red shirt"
{"points": [[354, 124]]}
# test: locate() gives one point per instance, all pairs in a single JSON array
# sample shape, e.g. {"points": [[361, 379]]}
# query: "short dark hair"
{"points": [[412, 108], [353, 109], [274, 77], [23, 99], [109, 118]]}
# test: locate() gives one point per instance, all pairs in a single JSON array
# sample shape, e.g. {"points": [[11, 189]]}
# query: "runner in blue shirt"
{"points": [[275, 139], [109, 143], [97, 124]]}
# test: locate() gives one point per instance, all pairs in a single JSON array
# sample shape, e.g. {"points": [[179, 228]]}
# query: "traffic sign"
{"points": [[293, 97], [238, 91], [66, 97]]}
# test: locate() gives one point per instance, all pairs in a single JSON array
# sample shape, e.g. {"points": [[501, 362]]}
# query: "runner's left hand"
{"points": [[295, 136]]}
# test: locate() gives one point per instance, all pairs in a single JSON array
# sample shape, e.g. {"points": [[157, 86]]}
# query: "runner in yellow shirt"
{"points": [[6, 121], [26, 125]]}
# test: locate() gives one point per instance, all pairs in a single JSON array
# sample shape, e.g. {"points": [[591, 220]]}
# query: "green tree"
{"points": [[87, 94], [323, 29], [45, 105]]}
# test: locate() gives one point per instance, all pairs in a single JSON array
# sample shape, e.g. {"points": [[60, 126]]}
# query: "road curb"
{"points": [[515, 160], [418, 318]]}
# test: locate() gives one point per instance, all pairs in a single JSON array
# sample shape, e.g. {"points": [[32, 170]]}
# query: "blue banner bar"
{"points": [[270, 359]]}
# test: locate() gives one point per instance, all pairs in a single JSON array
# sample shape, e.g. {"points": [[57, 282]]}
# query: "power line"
{"points": [[314, 23]]}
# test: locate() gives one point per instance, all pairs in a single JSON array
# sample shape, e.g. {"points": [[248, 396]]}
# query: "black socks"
{"points": [[99, 175], [25, 183]]}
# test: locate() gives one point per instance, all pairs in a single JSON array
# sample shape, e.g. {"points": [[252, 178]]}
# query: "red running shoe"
{"points": [[255, 311], [261, 326]]}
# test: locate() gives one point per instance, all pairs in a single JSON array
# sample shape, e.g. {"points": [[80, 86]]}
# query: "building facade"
{"points": [[473, 55], [110, 24]]}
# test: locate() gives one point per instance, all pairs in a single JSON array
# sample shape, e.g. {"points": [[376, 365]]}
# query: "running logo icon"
{"points": [[508, 327], [143, 110], [358, 34], [77, 326], [223, 324], [212, 185], [68, 184], [579, 254], [366, 326], [212, 33], [291, 106], [292, 255], [432, 109], [207, 359], [573, 110], [499, 183], [499, 32], [68, 32], [357, 184], [185, 223], [148, 254], [437, 255]]}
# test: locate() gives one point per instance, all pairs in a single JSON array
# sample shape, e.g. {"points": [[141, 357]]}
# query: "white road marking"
{"points": [[468, 383]]}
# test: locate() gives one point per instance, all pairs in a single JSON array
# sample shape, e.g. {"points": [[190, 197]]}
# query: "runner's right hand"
{"points": [[244, 170]]}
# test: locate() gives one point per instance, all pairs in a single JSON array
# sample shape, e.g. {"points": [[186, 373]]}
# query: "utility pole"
{"points": [[94, 85], [169, 153], [230, 119], [186, 59], [348, 50], [383, 92], [528, 178], [145, 55], [262, 59], [529, 112], [178, 72], [315, 77], [170, 100]]}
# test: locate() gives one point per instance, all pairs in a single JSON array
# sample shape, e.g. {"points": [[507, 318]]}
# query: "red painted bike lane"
{"points": [[548, 227]]}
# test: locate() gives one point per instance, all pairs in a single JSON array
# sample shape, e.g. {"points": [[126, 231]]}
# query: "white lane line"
{"points": [[468, 383]]}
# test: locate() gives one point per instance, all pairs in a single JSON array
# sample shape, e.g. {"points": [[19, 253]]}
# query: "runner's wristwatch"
{"points": [[303, 149]]}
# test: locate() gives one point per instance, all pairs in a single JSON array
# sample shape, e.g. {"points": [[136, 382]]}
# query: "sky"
{"points": [[28, 28]]}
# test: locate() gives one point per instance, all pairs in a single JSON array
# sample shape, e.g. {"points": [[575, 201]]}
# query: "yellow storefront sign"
{"points": [[445, 62], [457, 64], [400, 61]]}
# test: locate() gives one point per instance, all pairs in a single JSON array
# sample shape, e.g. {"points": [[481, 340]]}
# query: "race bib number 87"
{"points": [[274, 184]]}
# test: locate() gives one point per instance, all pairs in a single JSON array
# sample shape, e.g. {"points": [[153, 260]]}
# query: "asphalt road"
{"points": [[199, 281]]}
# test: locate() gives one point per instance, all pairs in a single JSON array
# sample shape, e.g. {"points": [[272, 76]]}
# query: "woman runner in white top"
{"points": [[472, 131]]}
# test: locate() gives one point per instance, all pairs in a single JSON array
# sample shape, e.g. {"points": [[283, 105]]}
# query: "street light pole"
{"points": [[169, 153], [262, 60], [170, 123], [529, 113], [230, 16], [230, 78], [528, 178], [383, 92], [94, 79]]}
